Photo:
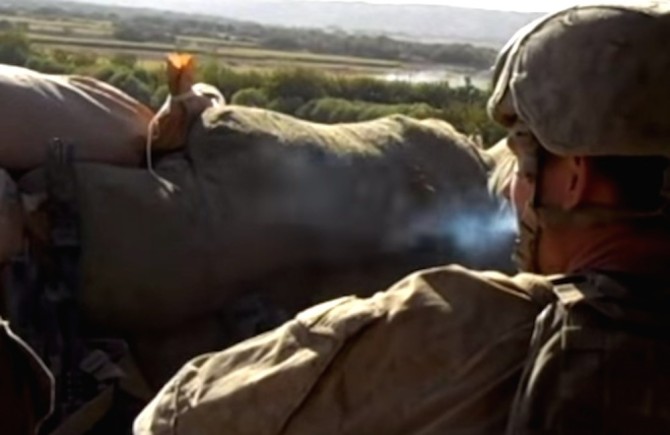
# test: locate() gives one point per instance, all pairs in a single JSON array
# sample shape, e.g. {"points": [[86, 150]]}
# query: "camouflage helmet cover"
{"points": [[590, 80]]}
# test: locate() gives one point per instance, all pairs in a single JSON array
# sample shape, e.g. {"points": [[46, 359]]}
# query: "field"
{"points": [[91, 36], [227, 53], [98, 37], [127, 49]]}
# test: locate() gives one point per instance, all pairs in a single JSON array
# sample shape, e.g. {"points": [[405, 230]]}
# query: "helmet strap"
{"points": [[536, 217], [526, 247]]}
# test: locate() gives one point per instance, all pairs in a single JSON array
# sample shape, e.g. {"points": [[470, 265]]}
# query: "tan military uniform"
{"points": [[599, 360], [439, 353]]}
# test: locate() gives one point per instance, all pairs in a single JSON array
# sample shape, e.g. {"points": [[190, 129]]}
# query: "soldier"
{"points": [[579, 346], [586, 97]]}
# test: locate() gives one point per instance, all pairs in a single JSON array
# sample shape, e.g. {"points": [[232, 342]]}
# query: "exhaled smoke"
{"points": [[480, 231], [480, 236]]}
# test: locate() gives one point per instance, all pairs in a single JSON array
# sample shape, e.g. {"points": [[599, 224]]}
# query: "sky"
{"points": [[500, 5], [512, 5]]}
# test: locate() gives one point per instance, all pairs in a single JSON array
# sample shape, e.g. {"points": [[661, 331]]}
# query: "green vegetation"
{"points": [[229, 52], [309, 40], [251, 64], [100, 23]]}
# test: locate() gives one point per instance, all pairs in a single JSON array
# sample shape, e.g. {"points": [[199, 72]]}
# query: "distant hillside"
{"points": [[418, 22], [44, 21]]}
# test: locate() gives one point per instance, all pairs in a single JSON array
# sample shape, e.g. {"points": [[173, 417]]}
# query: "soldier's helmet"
{"points": [[590, 80]]}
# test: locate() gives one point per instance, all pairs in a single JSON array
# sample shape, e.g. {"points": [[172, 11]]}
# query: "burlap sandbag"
{"points": [[255, 192], [103, 123]]}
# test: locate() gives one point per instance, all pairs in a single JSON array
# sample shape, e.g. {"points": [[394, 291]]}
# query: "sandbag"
{"points": [[103, 123], [11, 220], [256, 192]]}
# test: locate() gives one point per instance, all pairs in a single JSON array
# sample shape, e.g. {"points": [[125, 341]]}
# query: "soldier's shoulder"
{"points": [[457, 285]]}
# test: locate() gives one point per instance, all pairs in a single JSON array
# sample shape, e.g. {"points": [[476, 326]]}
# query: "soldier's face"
{"points": [[551, 186], [522, 186], [555, 184]]}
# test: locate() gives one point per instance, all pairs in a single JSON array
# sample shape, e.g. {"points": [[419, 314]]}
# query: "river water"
{"points": [[456, 78]]}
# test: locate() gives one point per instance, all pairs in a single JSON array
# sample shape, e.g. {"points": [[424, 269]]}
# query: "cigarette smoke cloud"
{"points": [[477, 234], [478, 231]]}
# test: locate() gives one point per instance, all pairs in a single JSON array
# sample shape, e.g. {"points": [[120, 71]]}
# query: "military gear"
{"points": [[438, 353], [589, 80], [41, 286], [599, 360]]}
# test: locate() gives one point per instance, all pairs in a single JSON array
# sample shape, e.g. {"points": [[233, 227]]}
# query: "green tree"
{"points": [[230, 81], [209, 72], [15, 48], [127, 82], [288, 105], [251, 97], [83, 60], [46, 65], [159, 96], [124, 60], [366, 89], [6, 25], [60, 56], [303, 83], [105, 72], [145, 76]]}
